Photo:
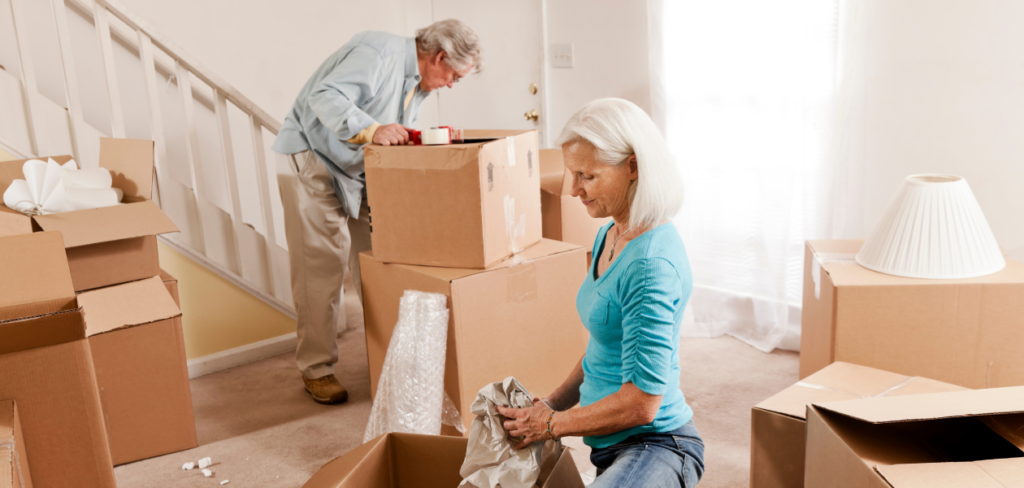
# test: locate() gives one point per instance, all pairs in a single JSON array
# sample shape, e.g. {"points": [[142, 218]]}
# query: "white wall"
{"points": [[943, 91], [266, 48], [609, 39]]}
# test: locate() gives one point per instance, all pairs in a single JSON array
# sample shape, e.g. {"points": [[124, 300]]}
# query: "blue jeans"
{"points": [[667, 459]]}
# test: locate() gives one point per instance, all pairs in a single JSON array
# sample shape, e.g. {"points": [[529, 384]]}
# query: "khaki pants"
{"points": [[322, 243]]}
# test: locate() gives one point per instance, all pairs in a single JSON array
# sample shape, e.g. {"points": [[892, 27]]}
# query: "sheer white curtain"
{"points": [[746, 93]]}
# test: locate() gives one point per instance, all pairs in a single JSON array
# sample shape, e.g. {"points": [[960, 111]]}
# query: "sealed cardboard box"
{"points": [[565, 217], [516, 318], [422, 461], [138, 350], [938, 440], [109, 245], [14, 471], [779, 424], [966, 332], [465, 205], [47, 367]]}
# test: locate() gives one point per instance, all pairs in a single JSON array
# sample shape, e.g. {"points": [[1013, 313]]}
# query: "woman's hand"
{"points": [[529, 423]]}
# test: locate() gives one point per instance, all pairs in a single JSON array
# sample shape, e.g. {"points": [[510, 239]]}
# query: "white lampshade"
{"points": [[933, 228]]}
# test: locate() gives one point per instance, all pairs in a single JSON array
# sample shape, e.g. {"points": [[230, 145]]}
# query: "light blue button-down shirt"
{"points": [[365, 81]]}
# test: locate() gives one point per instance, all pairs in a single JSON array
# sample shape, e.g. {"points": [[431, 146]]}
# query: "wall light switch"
{"points": [[561, 55]]}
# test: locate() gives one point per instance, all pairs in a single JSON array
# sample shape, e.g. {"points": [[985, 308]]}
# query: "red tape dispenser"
{"points": [[436, 136]]}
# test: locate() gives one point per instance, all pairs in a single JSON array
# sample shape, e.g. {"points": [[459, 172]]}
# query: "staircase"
{"points": [[77, 70]]}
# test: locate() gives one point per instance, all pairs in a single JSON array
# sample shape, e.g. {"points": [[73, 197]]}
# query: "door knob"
{"points": [[532, 115]]}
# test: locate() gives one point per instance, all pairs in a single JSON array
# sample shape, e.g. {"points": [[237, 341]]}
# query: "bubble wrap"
{"points": [[410, 392]]}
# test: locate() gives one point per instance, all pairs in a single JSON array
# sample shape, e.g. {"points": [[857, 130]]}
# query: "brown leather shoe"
{"points": [[326, 390]]}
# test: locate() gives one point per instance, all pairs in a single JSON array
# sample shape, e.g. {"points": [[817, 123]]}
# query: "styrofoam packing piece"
{"points": [[207, 473], [224, 482], [205, 462], [410, 391], [187, 466]]}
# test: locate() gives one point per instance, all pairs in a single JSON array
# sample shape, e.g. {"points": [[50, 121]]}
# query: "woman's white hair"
{"points": [[620, 129], [454, 38]]}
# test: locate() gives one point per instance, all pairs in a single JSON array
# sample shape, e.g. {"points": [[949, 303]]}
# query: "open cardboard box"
{"points": [[138, 350], [516, 318], [14, 471], [565, 217], [109, 245], [422, 461], [779, 424], [938, 440], [47, 367], [967, 332], [454, 205]]}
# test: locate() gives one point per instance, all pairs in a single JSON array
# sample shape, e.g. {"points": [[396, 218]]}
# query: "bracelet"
{"points": [[551, 416]]}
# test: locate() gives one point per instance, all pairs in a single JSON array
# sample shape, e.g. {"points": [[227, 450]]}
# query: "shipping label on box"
{"points": [[465, 205], [47, 368], [138, 350], [966, 331], [108, 245], [779, 424], [565, 217], [14, 470], [938, 440], [533, 294], [422, 461]]}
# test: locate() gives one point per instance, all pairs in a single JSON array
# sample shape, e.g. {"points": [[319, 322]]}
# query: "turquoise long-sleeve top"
{"points": [[633, 312], [362, 84]]}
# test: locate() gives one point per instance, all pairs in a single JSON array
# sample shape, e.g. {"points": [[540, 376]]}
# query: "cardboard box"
{"points": [[422, 461], [110, 245], [454, 205], [779, 424], [138, 350], [938, 440], [516, 318], [967, 332], [565, 217], [14, 471], [47, 367]]}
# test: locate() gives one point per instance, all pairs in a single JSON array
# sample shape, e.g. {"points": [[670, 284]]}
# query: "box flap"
{"points": [[36, 278], [13, 223], [365, 465], [45, 330], [6, 422], [166, 277], [135, 303], [483, 134], [931, 406], [421, 157], [837, 257], [552, 173], [84, 227], [993, 473], [130, 163], [544, 248]]}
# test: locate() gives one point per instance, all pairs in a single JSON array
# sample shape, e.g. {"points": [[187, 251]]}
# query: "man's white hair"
{"points": [[620, 129], [454, 38]]}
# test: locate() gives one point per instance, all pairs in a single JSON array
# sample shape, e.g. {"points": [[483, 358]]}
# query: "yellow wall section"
{"points": [[216, 314], [5, 156]]}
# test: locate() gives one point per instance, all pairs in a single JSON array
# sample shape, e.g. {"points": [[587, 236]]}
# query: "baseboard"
{"points": [[219, 361]]}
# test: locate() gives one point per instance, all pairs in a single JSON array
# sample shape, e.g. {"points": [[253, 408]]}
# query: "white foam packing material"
{"points": [[410, 392], [205, 462], [207, 473], [188, 466], [49, 188]]}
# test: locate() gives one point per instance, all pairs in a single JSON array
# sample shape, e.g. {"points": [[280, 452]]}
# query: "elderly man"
{"points": [[370, 90]]}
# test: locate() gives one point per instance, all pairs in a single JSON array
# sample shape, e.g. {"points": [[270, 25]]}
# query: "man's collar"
{"points": [[412, 65]]}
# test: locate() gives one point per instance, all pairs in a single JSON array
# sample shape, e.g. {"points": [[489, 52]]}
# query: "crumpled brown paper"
{"points": [[491, 460]]}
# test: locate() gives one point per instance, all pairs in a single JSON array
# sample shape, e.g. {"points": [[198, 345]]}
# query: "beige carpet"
{"points": [[261, 429]]}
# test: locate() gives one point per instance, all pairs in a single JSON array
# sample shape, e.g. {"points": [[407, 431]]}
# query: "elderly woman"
{"points": [[632, 412]]}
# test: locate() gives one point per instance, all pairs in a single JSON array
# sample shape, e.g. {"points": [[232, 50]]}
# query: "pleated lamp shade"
{"points": [[933, 228]]}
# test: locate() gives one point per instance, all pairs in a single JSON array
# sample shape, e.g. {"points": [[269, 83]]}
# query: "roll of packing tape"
{"points": [[433, 137]]}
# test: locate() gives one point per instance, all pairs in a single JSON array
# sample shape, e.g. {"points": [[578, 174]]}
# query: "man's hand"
{"points": [[392, 135]]}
